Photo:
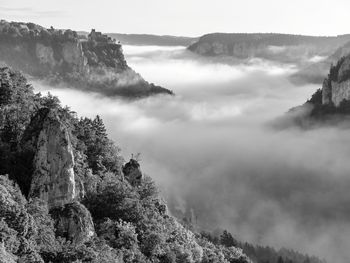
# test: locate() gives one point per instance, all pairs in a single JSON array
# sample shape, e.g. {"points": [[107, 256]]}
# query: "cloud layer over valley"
{"points": [[212, 149]]}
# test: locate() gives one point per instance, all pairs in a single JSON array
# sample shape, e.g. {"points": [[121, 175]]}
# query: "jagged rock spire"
{"points": [[132, 172], [53, 178]]}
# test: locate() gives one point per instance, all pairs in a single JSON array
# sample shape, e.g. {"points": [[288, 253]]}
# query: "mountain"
{"points": [[67, 195], [94, 63], [281, 47]]}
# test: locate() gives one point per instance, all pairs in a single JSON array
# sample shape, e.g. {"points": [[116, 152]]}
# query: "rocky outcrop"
{"points": [[340, 92], [45, 55], [63, 56], [73, 222], [53, 178], [336, 87], [132, 172]]}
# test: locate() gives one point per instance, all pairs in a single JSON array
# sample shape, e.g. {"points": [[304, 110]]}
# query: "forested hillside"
{"points": [[66, 194]]}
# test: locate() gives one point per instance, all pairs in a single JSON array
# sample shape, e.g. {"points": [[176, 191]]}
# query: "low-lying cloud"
{"points": [[212, 148]]}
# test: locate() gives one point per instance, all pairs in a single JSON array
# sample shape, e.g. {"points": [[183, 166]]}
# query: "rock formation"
{"points": [[95, 63], [336, 87], [73, 221], [53, 178], [132, 172]]}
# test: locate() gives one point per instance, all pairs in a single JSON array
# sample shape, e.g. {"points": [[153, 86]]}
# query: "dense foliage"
{"points": [[131, 223]]}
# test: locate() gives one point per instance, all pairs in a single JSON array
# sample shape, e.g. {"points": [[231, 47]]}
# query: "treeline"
{"points": [[20, 31], [261, 254], [273, 39]]}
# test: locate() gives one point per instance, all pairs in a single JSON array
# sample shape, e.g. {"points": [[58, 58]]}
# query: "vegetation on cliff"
{"points": [[63, 57], [322, 105], [111, 220]]}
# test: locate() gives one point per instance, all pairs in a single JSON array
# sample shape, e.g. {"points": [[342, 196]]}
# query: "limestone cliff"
{"points": [[336, 87], [95, 63], [53, 178]]}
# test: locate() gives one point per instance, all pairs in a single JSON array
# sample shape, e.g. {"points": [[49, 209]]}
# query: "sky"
{"points": [[185, 17]]}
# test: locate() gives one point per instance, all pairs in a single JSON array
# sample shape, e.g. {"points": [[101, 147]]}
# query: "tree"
{"points": [[227, 240]]}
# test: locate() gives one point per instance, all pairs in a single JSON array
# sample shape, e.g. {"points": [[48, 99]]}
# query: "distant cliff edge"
{"points": [[94, 63], [331, 102], [281, 47]]}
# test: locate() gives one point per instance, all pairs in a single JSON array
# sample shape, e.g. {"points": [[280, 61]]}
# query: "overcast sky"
{"points": [[185, 17]]}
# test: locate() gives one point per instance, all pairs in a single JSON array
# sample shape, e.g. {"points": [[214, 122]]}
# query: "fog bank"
{"points": [[212, 149]]}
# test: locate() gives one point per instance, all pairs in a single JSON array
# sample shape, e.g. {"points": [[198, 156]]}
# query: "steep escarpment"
{"points": [[271, 46], [336, 87], [314, 72], [331, 102], [53, 178], [67, 195], [94, 63]]}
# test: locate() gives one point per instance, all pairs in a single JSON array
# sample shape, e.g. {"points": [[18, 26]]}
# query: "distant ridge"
{"points": [[150, 39], [266, 45]]}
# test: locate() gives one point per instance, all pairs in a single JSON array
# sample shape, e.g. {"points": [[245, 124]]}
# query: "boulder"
{"points": [[73, 222]]}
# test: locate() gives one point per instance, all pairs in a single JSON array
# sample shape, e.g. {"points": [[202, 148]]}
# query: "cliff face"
{"points": [[336, 87], [53, 179], [95, 63]]}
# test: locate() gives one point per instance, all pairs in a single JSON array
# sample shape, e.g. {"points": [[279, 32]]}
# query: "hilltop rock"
{"points": [[132, 172], [95, 63], [53, 178], [73, 221]]}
